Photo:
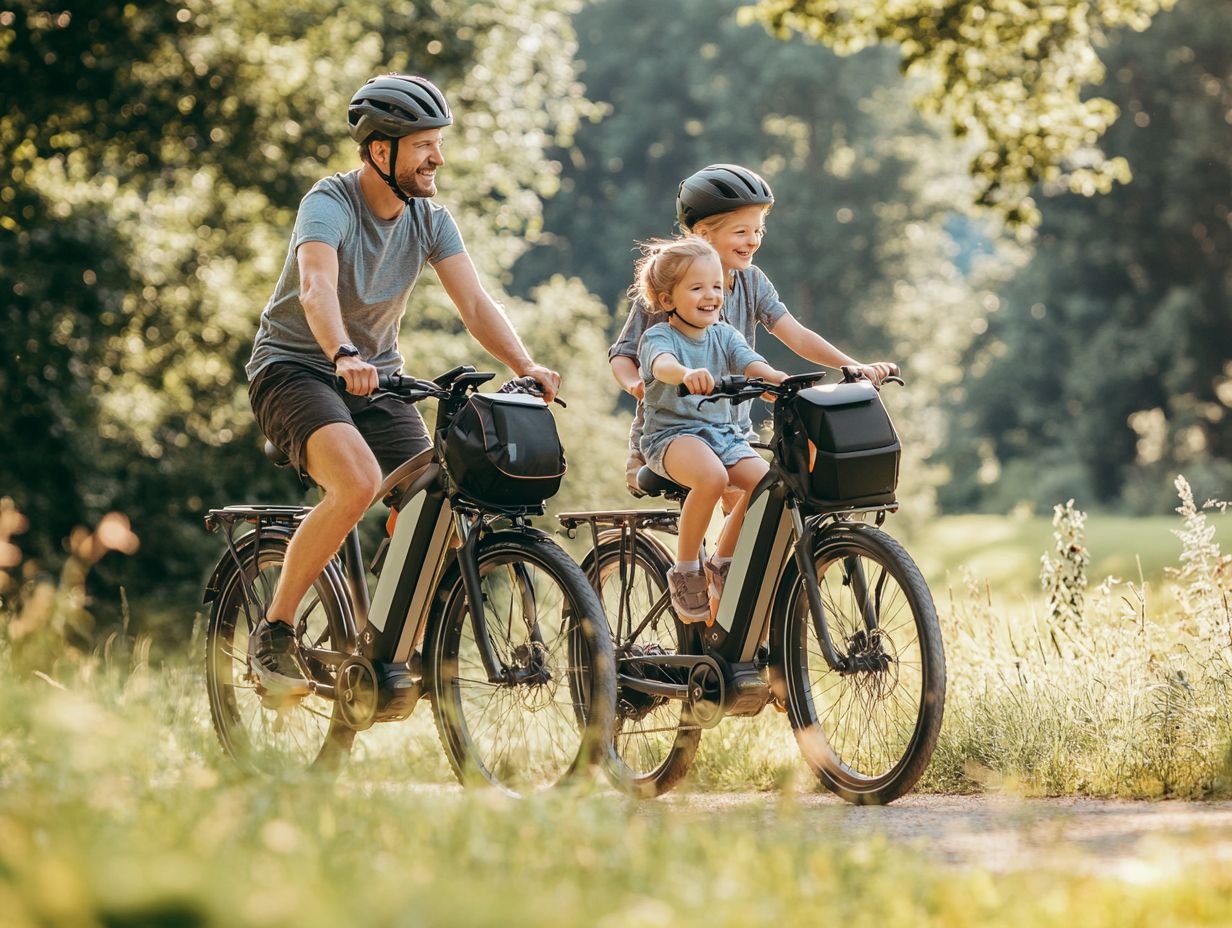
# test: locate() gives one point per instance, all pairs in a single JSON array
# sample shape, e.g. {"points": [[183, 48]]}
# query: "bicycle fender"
{"points": [[226, 563]]}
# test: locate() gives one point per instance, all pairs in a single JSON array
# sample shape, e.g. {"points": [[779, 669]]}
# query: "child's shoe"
{"points": [[688, 592]]}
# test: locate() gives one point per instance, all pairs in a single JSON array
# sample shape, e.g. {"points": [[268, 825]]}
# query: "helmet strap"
{"points": [[390, 178]]}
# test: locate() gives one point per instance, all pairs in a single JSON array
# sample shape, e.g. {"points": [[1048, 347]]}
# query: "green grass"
{"points": [[117, 809], [1005, 551]]}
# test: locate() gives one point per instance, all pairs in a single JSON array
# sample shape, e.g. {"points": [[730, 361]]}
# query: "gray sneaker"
{"points": [[689, 596], [273, 655], [717, 574]]}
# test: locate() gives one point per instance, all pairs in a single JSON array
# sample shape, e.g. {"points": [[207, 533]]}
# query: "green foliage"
{"points": [[152, 156], [1010, 75], [1104, 369]]}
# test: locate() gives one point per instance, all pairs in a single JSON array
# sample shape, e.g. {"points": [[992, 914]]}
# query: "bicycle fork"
{"points": [[805, 534], [499, 672]]}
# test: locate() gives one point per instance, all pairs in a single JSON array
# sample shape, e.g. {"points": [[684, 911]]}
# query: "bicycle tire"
{"points": [[306, 734], [541, 616], [641, 764], [868, 735]]}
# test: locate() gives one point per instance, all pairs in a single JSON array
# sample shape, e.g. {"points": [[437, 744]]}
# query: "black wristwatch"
{"points": [[345, 350]]}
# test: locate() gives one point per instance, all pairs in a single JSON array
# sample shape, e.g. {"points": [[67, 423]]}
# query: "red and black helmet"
{"points": [[719, 188], [394, 105]]}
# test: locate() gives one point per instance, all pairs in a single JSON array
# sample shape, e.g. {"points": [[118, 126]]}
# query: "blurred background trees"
{"points": [[152, 155]]}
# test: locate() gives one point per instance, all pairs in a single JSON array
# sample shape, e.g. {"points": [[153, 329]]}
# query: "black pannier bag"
{"points": [[857, 449], [502, 449]]}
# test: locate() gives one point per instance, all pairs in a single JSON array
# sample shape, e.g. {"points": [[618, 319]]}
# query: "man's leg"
{"points": [[340, 462]]}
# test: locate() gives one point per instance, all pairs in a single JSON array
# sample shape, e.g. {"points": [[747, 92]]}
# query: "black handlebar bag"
{"points": [[838, 447], [502, 449]]}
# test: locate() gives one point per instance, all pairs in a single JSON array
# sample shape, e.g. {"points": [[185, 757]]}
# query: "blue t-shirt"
{"points": [[720, 349], [379, 261], [752, 301]]}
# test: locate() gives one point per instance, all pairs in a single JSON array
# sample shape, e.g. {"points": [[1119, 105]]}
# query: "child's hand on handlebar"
{"points": [[698, 380], [360, 376]]}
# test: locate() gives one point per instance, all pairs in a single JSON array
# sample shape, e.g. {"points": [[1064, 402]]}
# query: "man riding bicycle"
{"points": [[359, 243]]}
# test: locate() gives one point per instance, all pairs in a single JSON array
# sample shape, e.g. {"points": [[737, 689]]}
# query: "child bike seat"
{"points": [[654, 485]]}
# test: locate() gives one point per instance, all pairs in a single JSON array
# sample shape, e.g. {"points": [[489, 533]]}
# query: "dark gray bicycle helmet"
{"points": [[391, 106], [719, 188], [394, 105]]}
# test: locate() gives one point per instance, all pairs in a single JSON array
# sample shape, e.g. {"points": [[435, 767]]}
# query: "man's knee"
{"points": [[345, 468]]}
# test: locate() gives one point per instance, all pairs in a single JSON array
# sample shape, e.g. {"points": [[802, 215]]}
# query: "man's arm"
{"points": [[812, 347], [318, 294], [487, 322]]}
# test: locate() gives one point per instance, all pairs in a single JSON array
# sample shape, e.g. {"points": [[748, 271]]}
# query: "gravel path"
{"points": [[1136, 841]]}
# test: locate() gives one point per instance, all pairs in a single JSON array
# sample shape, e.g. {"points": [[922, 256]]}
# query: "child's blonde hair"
{"points": [[663, 263]]}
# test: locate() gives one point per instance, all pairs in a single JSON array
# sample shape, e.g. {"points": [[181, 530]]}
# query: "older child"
{"points": [[700, 446], [726, 205]]}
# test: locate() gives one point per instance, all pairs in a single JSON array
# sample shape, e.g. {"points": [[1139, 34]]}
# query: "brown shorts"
{"points": [[291, 402]]}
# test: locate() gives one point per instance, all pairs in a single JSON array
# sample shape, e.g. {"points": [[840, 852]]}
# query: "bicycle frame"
{"points": [[429, 535], [774, 533]]}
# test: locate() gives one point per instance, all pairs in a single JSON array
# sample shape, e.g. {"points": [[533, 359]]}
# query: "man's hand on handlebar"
{"points": [[360, 376], [549, 380]]}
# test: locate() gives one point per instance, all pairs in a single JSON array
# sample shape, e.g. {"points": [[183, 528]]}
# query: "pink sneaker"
{"points": [[688, 592]]}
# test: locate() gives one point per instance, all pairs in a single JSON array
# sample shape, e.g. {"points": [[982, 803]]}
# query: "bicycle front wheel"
{"points": [[867, 731], [535, 710], [301, 734]]}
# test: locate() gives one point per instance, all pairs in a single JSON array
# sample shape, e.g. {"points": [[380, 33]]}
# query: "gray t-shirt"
{"points": [[379, 261], [720, 349]]}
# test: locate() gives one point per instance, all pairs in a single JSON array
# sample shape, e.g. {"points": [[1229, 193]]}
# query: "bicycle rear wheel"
{"points": [[548, 718], [655, 738], [306, 732], [868, 732]]}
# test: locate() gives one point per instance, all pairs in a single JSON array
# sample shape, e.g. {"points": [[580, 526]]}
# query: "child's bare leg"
{"points": [[690, 462], [745, 474]]}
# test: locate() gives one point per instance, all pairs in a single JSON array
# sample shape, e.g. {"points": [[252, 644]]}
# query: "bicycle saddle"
{"points": [[654, 485]]}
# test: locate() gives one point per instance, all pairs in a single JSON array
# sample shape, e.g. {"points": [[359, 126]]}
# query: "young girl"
{"points": [[726, 205], [702, 446]]}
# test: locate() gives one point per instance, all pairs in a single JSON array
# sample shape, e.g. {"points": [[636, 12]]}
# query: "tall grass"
{"points": [[118, 808]]}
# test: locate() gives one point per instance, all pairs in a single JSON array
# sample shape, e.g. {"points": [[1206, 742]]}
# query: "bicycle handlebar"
{"points": [[452, 383], [738, 388]]}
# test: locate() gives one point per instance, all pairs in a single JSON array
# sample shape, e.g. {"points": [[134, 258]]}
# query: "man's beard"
{"points": [[414, 185]]}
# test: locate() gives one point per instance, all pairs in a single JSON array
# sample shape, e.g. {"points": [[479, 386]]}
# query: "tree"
{"points": [[1106, 369], [1009, 73], [152, 155]]}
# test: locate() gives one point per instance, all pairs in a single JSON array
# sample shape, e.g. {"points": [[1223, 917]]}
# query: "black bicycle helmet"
{"points": [[719, 188], [394, 105], [391, 106]]}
